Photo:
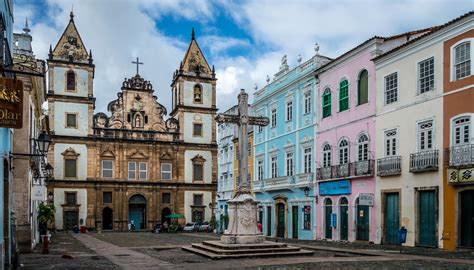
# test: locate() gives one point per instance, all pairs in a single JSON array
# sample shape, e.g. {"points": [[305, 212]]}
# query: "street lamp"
{"points": [[42, 143], [50, 197], [306, 194], [49, 170]]}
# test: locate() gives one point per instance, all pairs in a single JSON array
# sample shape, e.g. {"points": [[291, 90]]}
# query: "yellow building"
{"points": [[250, 159]]}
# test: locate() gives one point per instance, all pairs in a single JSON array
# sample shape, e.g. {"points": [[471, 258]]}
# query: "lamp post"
{"points": [[306, 194]]}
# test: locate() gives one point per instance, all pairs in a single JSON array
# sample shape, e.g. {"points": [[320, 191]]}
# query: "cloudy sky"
{"points": [[245, 40]]}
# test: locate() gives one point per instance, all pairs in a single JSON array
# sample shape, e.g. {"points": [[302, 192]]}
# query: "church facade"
{"points": [[133, 165]]}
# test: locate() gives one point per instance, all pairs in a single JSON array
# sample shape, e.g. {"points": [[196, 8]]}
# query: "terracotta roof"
{"points": [[431, 31]]}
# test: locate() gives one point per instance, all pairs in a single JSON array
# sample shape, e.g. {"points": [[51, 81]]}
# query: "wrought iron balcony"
{"points": [[424, 161], [389, 166], [460, 155], [354, 169]]}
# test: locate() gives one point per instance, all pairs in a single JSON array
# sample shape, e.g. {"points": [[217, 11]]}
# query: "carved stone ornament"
{"points": [[138, 83]]}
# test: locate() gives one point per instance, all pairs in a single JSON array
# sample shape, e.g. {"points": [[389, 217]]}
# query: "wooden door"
{"points": [[362, 223], [467, 218], [294, 224], [327, 219], [269, 221], [70, 219], [280, 220], [427, 218], [392, 218], [344, 222]]}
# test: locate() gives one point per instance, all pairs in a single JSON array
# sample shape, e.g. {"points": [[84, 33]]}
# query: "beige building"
{"points": [[131, 166]]}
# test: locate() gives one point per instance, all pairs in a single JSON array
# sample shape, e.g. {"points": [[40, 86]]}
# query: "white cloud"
{"points": [[218, 45]]}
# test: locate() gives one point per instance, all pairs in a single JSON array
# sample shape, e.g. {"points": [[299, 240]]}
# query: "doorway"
{"points": [[427, 218], [107, 219], [137, 211], [70, 219], [344, 226], [327, 218], [294, 223], [363, 216], [165, 212], [392, 218], [280, 220], [269, 221], [467, 218]]}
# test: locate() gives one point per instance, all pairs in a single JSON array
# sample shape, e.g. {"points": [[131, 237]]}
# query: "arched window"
{"points": [[343, 95], [343, 152], [461, 130], [462, 60], [327, 103], [363, 88], [70, 81], [197, 93], [326, 155], [363, 148]]}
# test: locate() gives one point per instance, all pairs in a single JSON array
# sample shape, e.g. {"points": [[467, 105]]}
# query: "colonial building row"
{"points": [[379, 138], [132, 165]]}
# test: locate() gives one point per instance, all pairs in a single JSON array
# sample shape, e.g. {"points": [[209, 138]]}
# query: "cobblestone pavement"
{"points": [[64, 244], [162, 251]]}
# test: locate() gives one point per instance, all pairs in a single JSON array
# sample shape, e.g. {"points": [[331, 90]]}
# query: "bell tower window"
{"points": [[138, 120], [71, 81], [197, 93]]}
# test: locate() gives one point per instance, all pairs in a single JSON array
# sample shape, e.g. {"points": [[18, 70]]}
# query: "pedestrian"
{"points": [[165, 226], [129, 227], [259, 226]]}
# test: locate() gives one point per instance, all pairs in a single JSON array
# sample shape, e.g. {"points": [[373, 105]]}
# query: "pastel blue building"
{"points": [[284, 150]]}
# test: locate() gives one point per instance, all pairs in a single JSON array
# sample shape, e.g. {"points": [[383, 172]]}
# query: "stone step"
{"points": [[247, 255], [264, 245], [220, 251]]}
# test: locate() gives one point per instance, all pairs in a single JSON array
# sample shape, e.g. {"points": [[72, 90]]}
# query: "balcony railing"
{"points": [[424, 161], [353, 169], [389, 166], [129, 134], [460, 155]]}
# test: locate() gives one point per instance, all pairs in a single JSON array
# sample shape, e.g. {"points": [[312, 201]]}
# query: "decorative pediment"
{"points": [[273, 151], [166, 156], [70, 45], [198, 159], [137, 83], [137, 154], [194, 60], [307, 142], [289, 147], [107, 153], [70, 152]]}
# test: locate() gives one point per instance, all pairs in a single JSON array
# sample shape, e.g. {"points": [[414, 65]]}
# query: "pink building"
{"points": [[345, 144]]}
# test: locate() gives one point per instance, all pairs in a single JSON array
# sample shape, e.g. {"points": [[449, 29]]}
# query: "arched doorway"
{"points": [[165, 212], [344, 223], [327, 218], [280, 220], [363, 215], [107, 219], [137, 212], [466, 199]]}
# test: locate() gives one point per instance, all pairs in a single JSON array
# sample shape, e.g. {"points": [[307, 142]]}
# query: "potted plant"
{"points": [[45, 215]]}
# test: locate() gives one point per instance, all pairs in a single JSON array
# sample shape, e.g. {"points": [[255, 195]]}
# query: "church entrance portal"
{"points": [[137, 212], [107, 219]]}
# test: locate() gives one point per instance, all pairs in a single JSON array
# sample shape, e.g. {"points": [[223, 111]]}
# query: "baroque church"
{"points": [[133, 164]]}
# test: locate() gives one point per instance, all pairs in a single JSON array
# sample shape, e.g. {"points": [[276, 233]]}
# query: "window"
{"points": [[326, 155], [249, 149], [70, 81], [363, 88], [289, 111], [307, 160], [426, 75], [107, 197], [462, 60], [197, 200], [71, 120], [143, 175], [274, 117], [70, 167], [461, 130], [391, 88], [327, 103], [307, 217], [107, 168], [343, 152], [71, 198], [260, 170], [197, 129], [197, 172], [425, 136], [391, 143], [307, 102], [363, 148], [289, 164], [166, 171], [343, 95], [166, 198], [274, 167], [132, 170], [197, 93]]}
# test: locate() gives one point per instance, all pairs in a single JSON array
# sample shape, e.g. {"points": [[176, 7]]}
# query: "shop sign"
{"points": [[38, 193], [11, 103], [366, 199], [460, 176], [339, 187]]}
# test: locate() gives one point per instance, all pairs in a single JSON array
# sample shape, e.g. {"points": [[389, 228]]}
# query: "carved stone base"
{"points": [[242, 228]]}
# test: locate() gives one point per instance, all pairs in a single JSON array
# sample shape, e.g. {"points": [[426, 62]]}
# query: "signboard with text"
{"points": [[11, 103], [366, 199], [335, 187], [38, 193]]}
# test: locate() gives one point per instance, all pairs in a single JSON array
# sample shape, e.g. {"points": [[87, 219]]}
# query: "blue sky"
{"points": [[245, 40]]}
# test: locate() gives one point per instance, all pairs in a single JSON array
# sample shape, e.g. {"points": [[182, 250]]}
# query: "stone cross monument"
{"points": [[243, 206]]}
